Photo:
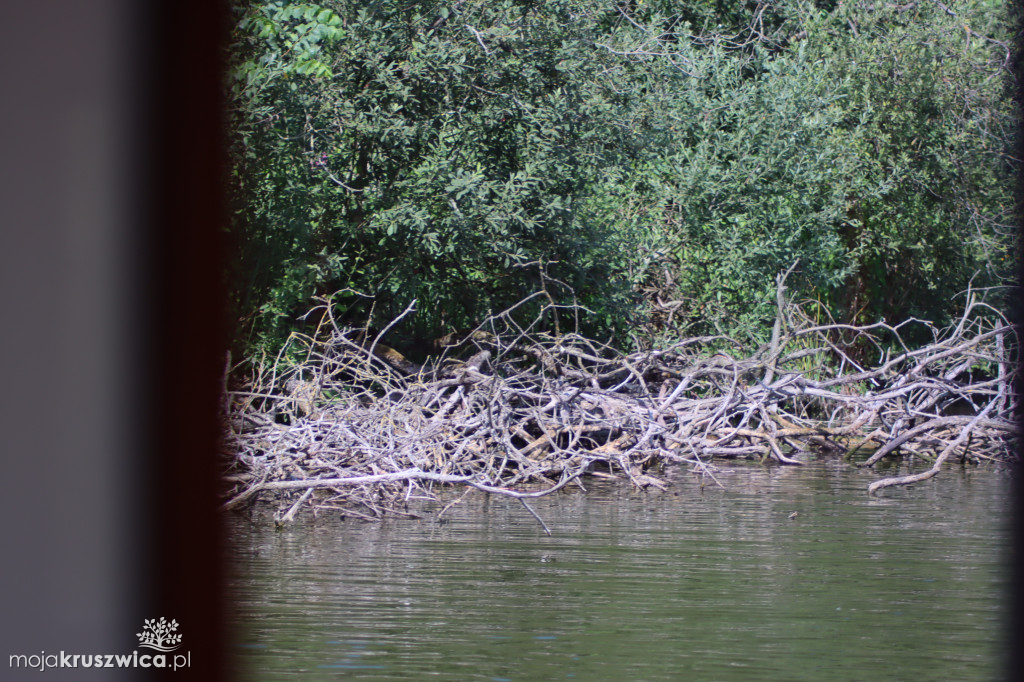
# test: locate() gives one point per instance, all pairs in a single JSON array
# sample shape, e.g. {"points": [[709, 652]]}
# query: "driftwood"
{"points": [[531, 412]]}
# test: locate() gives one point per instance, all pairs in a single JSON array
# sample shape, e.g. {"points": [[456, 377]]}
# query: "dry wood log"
{"points": [[531, 412]]}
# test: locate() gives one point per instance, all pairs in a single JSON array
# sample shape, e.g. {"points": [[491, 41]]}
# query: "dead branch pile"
{"points": [[530, 412]]}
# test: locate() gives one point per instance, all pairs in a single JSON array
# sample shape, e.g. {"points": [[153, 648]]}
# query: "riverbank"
{"points": [[528, 413]]}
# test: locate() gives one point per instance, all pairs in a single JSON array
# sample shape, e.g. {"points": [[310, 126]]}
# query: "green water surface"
{"points": [[688, 584]]}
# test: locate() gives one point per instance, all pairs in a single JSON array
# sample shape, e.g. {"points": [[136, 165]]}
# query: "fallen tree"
{"points": [[350, 427]]}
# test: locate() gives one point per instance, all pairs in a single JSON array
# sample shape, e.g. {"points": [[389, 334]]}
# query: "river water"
{"points": [[718, 583]]}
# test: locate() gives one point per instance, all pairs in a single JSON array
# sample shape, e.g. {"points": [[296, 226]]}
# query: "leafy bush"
{"points": [[870, 143], [430, 154], [623, 155]]}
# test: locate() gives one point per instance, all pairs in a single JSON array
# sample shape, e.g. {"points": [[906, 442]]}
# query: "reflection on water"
{"points": [[686, 584]]}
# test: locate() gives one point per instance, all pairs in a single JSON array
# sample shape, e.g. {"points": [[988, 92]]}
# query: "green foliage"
{"points": [[409, 152], [870, 143], [466, 154]]}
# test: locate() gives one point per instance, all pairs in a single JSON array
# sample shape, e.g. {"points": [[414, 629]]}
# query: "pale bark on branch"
{"points": [[530, 412]]}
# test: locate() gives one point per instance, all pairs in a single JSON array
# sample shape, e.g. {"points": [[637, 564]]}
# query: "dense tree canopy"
{"points": [[658, 162]]}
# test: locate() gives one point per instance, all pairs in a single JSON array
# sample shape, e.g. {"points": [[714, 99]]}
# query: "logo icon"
{"points": [[157, 635]]}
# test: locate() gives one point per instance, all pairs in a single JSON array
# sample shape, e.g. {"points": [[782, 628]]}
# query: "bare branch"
{"points": [[524, 413]]}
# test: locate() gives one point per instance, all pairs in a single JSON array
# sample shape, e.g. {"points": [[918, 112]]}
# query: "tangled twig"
{"points": [[530, 413]]}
